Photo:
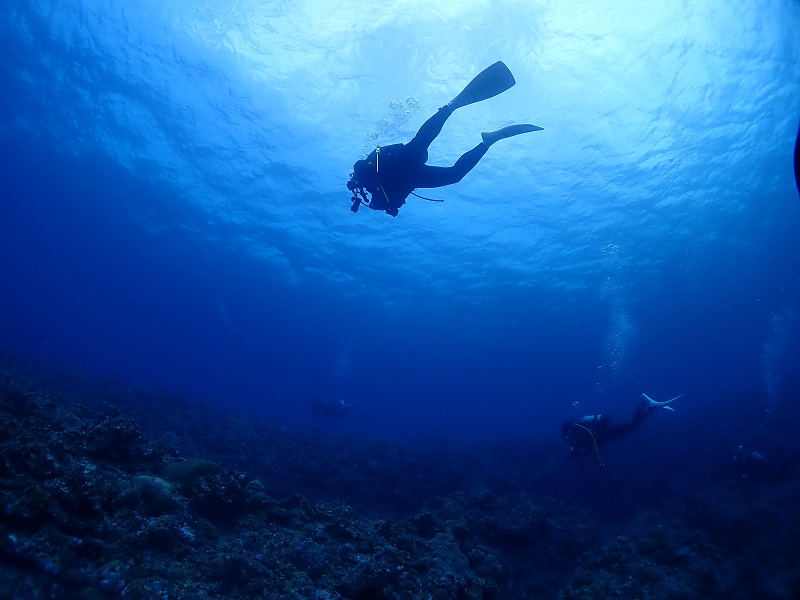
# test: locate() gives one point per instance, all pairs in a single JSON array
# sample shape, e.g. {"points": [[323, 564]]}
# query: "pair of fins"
{"points": [[490, 82], [654, 404]]}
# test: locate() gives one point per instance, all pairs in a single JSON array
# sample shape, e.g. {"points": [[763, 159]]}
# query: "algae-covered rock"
{"points": [[151, 495], [222, 496], [114, 438], [187, 472]]}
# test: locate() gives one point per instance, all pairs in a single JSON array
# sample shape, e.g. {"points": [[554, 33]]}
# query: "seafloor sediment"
{"points": [[109, 492]]}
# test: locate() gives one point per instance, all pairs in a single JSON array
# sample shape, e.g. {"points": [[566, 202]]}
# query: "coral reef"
{"points": [[98, 500]]}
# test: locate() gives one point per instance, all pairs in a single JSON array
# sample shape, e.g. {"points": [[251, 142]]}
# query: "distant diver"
{"points": [[588, 434], [331, 408], [756, 467], [391, 173]]}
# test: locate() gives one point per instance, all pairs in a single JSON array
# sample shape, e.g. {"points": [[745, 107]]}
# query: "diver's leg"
{"points": [[433, 177], [641, 413], [615, 431], [428, 132]]}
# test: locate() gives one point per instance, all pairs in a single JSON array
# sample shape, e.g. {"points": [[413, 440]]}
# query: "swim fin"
{"points": [[653, 404], [490, 137], [493, 80]]}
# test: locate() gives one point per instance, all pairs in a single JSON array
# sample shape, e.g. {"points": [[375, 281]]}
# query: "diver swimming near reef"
{"points": [[757, 467], [588, 434], [391, 173], [331, 408]]}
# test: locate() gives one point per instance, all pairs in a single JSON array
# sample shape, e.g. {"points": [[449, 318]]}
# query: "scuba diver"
{"points": [[391, 173], [758, 468], [331, 408], [590, 433], [797, 160]]}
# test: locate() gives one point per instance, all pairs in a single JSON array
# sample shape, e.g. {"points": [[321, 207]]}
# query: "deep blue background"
{"points": [[86, 285], [124, 275]]}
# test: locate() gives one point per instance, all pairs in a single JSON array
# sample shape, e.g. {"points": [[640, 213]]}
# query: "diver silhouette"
{"points": [[588, 434], [331, 408], [797, 160], [757, 467], [391, 173]]}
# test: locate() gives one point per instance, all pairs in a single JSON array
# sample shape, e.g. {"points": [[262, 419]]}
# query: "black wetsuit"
{"points": [[391, 173], [589, 434]]}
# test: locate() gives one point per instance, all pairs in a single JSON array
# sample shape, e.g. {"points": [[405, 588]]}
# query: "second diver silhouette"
{"points": [[587, 435]]}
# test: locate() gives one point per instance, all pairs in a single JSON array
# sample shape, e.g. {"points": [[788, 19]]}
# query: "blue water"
{"points": [[174, 211]]}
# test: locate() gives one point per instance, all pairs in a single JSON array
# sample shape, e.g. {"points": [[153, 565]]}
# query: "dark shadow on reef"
{"points": [[112, 492]]}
